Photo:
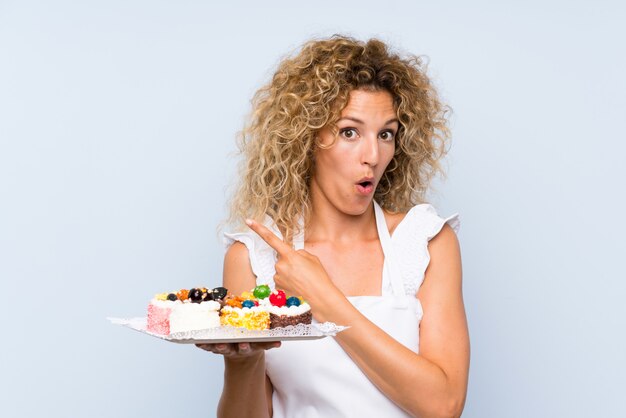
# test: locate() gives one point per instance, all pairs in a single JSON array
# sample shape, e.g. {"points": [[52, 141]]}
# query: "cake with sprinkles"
{"points": [[244, 311], [185, 310], [285, 311]]}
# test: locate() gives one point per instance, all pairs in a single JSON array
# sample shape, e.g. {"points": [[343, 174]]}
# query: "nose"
{"points": [[369, 151]]}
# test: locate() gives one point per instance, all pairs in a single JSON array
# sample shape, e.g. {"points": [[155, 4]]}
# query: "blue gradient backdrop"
{"points": [[117, 127]]}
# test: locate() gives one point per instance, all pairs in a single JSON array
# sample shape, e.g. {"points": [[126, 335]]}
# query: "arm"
{"points": [[244, 364], [430, 384]]}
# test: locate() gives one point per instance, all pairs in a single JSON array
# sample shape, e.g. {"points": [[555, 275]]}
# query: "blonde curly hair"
{"points": [[307, 92]]}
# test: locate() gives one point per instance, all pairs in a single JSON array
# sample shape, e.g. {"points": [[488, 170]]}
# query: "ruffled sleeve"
{"points": [[410, 242], [436, 222], [262, 256]]}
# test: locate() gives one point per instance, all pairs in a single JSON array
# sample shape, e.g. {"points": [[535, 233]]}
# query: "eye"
{"points": [[387, 135], [348, 133]]}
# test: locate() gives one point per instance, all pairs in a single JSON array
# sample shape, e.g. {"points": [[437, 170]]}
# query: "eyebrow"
{"points": [[390, 121]]}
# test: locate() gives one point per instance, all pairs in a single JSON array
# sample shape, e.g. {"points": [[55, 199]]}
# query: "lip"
{"points": [[364, 179], [365, 189]]}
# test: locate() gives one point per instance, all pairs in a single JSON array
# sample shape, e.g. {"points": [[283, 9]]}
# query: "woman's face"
{"points": [[346, 174]]}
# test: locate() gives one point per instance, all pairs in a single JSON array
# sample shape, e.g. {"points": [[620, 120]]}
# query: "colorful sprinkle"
{"points": [[219, 293], [248, 295], [262, 291], [183, 294]]}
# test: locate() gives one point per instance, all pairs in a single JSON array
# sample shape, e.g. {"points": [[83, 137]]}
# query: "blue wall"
{"points": [[117, 121]]}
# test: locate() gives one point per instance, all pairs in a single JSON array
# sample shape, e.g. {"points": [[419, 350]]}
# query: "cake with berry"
{"points": [[244, 311], [263, 309], [185, 310], [285, 311]]}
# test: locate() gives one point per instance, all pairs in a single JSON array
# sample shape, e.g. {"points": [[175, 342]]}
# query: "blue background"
{"points": [[117, 127]]}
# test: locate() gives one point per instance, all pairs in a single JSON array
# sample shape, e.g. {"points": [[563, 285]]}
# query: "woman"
{"points": [[341, 147]]}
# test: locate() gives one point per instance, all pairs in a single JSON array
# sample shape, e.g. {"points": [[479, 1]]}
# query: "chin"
{"points": [[357, 208]]}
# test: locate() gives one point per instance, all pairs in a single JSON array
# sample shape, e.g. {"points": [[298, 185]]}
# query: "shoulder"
{"points": [[238, 275], [236, 252], [248, 255], [445, 239], [445, 258], [430, 244]]}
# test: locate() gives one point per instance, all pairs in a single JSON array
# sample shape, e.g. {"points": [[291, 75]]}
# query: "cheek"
{"points": [[330, 169], [332, 160], [331, 172], [387, 156]]}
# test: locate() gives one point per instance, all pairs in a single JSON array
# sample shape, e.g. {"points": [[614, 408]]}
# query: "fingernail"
{"points": [[248, 222]]}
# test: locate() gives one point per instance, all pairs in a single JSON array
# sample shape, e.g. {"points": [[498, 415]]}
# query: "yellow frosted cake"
{"points": [[242, 311]]}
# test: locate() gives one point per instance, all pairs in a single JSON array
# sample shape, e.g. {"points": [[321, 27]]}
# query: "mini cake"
{"points": [[185, 310], [285, 311], [244, 311]]}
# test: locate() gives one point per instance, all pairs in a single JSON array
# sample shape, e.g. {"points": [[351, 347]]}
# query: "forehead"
{"points": [[371, 103]]}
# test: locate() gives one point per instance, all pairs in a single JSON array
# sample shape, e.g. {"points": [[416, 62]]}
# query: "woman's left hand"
{"points": [[298, 272]]}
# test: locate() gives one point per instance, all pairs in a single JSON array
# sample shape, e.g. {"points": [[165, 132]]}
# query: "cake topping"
{"points": [[247, 304], [234, 301], [293, 301], [219, 293], [278, 298], [248, 295], [182, 294], [196, 295], [262, 291]]}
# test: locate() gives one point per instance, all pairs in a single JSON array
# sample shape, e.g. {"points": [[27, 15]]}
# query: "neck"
{"points": [[329, 223]]}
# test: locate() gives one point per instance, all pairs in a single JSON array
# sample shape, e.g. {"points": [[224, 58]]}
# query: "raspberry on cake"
{"points": [[192, 310]]}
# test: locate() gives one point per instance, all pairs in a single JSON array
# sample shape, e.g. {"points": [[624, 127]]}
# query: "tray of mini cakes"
{"points": [[209, 316]]}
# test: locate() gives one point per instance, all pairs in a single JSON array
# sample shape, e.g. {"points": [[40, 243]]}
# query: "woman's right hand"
{"points": [[239, 350]]}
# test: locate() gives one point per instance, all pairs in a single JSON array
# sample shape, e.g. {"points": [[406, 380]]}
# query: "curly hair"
{"points": [[308, 92]]}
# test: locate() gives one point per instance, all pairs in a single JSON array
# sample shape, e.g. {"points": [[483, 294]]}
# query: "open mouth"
{"points": [[365, 187]]}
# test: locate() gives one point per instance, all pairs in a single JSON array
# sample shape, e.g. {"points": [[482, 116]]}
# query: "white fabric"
{"points": [[317, 378]]}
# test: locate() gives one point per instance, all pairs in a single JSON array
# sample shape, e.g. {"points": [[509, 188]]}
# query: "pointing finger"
{"points": [[269, 237]]}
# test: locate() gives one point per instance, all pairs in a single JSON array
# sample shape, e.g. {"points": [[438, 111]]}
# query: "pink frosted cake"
{"points": [[196, 309]]}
